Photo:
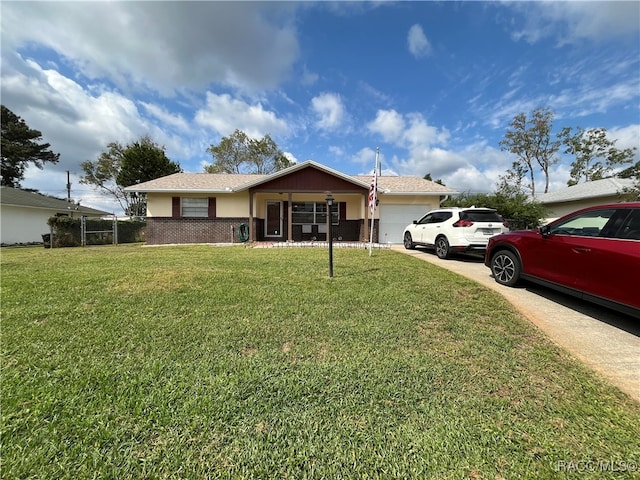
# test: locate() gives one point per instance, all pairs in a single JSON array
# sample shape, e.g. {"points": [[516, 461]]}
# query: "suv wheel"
{"points": [[506, 268], [408, 241], [442, 247]]}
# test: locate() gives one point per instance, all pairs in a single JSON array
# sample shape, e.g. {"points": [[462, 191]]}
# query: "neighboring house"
{"points": [[24, 214], [288, 205], [570, 199]]}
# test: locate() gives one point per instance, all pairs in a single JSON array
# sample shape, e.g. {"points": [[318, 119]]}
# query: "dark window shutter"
{"points": [[212, 207], [175, 206], [343, 210]]}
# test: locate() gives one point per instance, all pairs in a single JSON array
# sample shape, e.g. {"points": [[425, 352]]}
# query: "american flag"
{"points": [[373, 191]]}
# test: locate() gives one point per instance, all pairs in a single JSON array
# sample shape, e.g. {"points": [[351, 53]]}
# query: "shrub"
{"points": [[67, 231]]}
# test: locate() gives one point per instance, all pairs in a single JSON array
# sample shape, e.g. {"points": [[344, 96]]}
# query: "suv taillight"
{"points": [[463, 223], [506, 224]]}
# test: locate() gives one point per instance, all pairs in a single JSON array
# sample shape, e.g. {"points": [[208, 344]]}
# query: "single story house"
{"points": [[288, 205], [24, 214], [582, 195]]}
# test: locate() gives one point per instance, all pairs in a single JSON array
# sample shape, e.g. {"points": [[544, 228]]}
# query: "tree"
{"points": [[20, 146], [518, 209], [428, 177], [512, 182], [238, 153], [632, 172], [530, 140], [544, 148], [266, 156], [230, 155], [632, 193], [123, 166], [596, 156]]}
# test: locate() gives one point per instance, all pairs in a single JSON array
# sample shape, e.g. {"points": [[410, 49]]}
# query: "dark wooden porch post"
{"points": [[252, 233], [289, 219], [365, 198]]}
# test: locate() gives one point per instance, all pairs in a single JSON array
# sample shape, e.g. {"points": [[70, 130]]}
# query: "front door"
{"points": [[273, 222]]}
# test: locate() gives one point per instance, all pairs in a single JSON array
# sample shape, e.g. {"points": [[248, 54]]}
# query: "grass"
{"points": [[228, 362]]}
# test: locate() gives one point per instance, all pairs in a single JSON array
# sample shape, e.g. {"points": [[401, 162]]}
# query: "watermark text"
{"points": [[596, 466]]}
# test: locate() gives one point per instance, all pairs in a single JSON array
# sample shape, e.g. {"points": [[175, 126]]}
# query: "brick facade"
{"points": [[181, 230], [165, 230]]}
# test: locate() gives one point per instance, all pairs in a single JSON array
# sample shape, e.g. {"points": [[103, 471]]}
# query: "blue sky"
{"points": [[434, 85]]}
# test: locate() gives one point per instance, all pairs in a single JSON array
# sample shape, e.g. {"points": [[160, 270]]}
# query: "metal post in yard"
{"points": [[329, 200]]}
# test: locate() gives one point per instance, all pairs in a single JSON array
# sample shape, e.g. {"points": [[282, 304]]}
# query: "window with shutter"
{"points": [[195, 207]]}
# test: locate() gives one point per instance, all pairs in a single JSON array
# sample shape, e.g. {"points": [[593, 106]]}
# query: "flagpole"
{"points": [[373, 199]]}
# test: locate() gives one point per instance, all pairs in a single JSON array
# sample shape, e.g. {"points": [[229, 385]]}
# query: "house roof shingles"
{"points": [[197, 182], [595, 189], [227, 183], [22, 198], [407, 184]]}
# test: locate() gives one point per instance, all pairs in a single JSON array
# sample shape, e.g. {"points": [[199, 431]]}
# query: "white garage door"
{"points": [[393, 219]]}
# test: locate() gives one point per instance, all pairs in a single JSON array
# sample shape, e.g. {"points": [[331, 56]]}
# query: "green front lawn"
{"points": [[229, 362]]}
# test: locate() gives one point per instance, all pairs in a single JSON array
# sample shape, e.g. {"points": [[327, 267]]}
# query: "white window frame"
{"points": [[194, 207], [335, 213]]}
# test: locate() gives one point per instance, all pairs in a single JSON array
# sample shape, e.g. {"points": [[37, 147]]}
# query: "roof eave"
{"points": [[577, 197], [56, 209], [179, 190], [418, 193]]}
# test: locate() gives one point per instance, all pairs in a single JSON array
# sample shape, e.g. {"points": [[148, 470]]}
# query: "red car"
{"points": [[593, 253]]}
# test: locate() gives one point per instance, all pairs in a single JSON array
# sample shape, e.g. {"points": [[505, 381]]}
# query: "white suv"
{"points": [[455, 229]]}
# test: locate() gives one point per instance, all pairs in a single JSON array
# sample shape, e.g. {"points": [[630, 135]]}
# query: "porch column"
{"points": [[365, 198], [252, 233], [289, 218]]}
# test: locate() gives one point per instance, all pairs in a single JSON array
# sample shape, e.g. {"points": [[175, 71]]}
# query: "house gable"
{"points": [[309, 179]]}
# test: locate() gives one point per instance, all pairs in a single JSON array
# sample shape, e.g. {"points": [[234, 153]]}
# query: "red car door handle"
{"points": [[581, 249]]}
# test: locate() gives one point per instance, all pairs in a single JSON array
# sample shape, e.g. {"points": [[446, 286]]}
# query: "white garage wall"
{"points": [[23, 225], [394, 218]]}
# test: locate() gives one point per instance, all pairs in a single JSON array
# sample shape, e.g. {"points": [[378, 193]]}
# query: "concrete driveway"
{"points": [[606, 341]]}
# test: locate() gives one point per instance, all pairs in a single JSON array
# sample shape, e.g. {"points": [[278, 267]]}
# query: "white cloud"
{"points": [[80, 123], [409, 131], [582, 88], [365, 158], [308, 78], [54, 183], [376, 95], [290, 156], [469, 179], [419, 133], [166, 117], [573, 22], [389, 124], [435, 161], [336, 150], [417, 42], [250, 45], [626, 137], [225, 114], [329, 110]]}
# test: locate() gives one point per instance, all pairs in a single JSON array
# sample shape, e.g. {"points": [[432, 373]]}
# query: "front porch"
{"points": [[344, 230], [293, 207]]}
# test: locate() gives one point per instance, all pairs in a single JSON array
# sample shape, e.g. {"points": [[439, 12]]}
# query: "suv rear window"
{"points": [[481, 216]]}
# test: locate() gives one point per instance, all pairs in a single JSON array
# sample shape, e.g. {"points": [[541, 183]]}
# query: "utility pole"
{"points": [[68, 187]]}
